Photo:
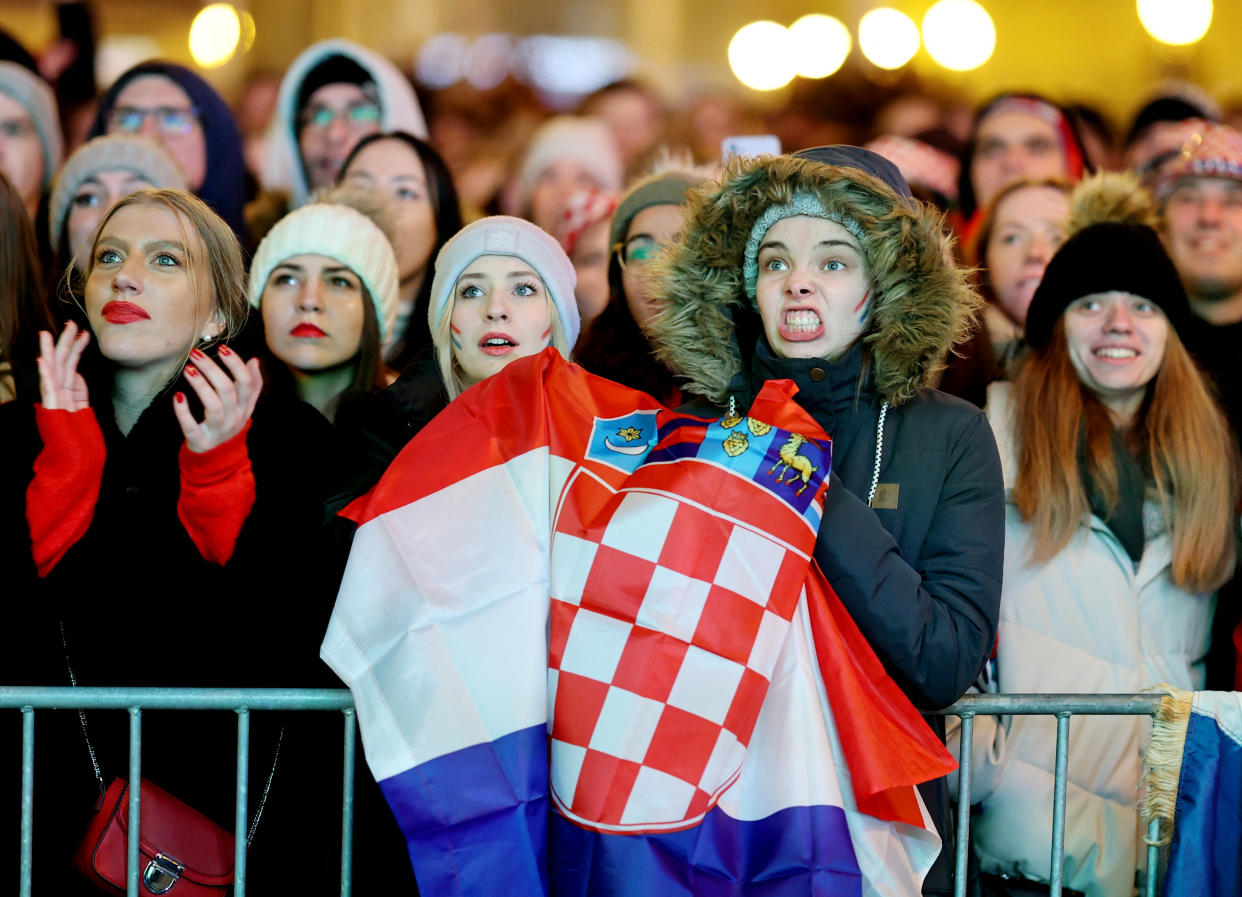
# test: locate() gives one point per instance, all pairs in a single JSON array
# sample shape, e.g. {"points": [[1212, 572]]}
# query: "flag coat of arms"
{"points": [[592, 655]]}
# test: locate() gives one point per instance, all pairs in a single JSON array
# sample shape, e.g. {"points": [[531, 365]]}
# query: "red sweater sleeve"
{"points": [[217, 493], [60, 500]]}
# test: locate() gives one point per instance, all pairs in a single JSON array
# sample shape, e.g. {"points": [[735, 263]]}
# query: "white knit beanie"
{"points": [[503, 235], [37, 98], [341, 233], [140, 155], [586, 141]]}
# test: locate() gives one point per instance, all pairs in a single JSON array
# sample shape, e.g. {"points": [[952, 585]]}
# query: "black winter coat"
{"points": [[141, 607], [920, 571]]}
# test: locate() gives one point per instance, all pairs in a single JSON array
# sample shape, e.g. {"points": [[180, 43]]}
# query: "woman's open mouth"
{"points": [[497, 344], [801, 325]]}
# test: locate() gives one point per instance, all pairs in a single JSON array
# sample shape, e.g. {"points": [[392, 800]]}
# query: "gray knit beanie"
{"points": [[140, 155], [338, 232], [503, 235], [803, 203], [37, 98]]}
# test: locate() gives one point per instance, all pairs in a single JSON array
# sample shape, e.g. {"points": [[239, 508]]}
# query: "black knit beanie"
{"points": [[335, 69], [1103, 258]]}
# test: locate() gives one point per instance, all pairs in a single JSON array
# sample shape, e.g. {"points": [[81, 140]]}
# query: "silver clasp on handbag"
{"points": [[161, 874]]}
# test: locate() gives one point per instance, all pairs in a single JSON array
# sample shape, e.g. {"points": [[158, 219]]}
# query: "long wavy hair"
{"points": [[1179, 436]]}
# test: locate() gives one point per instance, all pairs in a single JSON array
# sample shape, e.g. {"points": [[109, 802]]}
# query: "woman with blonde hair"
{"points": [[1122, 488], [503, 289], [166, 515]]}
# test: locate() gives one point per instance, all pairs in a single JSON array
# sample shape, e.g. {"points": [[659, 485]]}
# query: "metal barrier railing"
{"points": [[136, 700], [243, 701], [1062, 706]]}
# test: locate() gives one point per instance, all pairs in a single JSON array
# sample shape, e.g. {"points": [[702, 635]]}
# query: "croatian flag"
{"points": [[591, 655], [1205, 859]]}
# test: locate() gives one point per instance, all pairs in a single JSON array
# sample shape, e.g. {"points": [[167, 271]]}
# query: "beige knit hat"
{"points": [[338, 232], [141, 155]]}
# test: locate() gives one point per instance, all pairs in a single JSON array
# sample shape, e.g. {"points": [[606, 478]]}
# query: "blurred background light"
{"points": [[959, 34], [888, 38], [820, 45], [439, 62], [489, 60], [214, 35], [761, 56], [1176, 22], [572, 65]]}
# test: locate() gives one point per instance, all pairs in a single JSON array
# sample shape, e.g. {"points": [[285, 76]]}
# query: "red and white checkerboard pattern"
{"points": [[666, 622]]}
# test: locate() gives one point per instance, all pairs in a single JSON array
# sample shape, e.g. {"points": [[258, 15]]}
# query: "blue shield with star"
{"points": [[623, 442]]}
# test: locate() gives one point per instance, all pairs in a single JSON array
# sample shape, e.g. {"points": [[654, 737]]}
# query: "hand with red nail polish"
{"points": [[228, 394]]}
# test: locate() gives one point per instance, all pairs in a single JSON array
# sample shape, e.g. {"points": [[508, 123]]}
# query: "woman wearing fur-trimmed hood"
{"points": [[821, 269]]}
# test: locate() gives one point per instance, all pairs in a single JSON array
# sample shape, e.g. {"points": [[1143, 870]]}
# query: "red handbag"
{"points": [[182, 853]]}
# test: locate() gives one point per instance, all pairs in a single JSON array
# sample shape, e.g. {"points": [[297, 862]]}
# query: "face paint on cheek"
{"points": [[864, 307], [547, 335], [456, 342]]}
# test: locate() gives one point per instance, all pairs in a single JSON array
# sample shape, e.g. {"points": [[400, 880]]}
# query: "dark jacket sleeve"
{"points": [[930, 619]]}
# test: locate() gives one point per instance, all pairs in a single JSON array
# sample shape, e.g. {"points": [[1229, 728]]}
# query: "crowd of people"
{"points": [[1018, 335]]}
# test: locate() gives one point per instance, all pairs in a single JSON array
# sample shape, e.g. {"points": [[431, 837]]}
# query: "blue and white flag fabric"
{"points": [[591, 655], [1194, 777]]}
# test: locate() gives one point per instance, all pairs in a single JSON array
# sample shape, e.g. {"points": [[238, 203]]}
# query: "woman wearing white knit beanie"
{"points": [[503, 290], [566, 154], [325, 281]]}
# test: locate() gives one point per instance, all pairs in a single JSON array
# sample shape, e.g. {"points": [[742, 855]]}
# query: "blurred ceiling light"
{"points": [[489, 60], [820, 45], [761, 56], [959, 34], [439, 62], [572, 65], [888, 38], [1176, 22], [214, 35]]}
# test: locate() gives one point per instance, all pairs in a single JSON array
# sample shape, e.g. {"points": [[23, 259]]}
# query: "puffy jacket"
{"points": [[920, 569], [1089, 620]]}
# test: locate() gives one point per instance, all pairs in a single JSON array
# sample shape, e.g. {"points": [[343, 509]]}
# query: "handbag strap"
{"points": [[90, 748]]}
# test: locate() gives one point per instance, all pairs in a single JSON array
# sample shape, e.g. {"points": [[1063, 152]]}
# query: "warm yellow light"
{"points": [[959, 34], [1176, 22], [761, 56], [215, 34], [820, 45], [888, 38]]}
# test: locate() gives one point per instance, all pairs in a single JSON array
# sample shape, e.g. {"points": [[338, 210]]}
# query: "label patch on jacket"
{"points": [[885, 497]]}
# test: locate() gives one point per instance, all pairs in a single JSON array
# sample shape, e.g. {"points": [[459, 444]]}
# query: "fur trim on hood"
{"points": [[282, 167], [923, 301]]}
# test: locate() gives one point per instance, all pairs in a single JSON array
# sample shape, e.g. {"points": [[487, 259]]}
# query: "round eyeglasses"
{"points": [[640, 250], [357, 116], [170, 121]]}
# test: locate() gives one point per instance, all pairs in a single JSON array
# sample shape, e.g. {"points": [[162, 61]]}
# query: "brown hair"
{"points": [[222, 253], [1179, 435], [23, 309]]}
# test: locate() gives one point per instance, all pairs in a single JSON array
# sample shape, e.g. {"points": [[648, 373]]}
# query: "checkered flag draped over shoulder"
{"points": [[672, 594]]}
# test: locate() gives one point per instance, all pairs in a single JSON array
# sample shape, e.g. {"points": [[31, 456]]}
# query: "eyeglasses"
{"points": [[357, 116], [638, 250], [171, 121]]}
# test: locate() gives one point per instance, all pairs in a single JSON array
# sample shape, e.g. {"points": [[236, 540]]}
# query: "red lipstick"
{"points": [[307, 331], [120, 312]]}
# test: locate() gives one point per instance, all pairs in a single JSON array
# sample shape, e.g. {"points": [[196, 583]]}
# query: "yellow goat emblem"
{"points": [[796, 466]]}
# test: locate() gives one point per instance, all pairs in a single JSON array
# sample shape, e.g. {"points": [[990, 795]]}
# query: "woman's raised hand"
{"points": [[228, 401], [60, 384]]}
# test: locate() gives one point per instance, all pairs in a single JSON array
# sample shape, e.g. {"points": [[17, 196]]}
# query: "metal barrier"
{"points": [[1062, 707], [242, 701], [136, 700]]}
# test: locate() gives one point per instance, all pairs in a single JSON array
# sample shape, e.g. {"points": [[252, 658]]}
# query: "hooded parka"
{"points": [[920, 569]]}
